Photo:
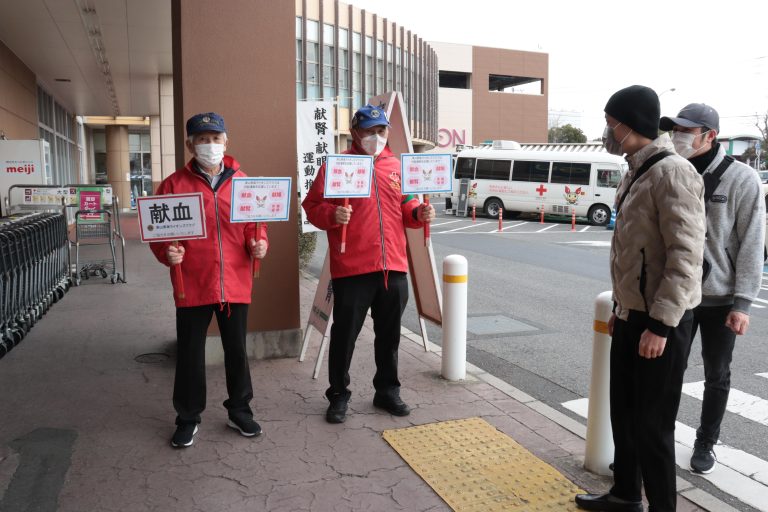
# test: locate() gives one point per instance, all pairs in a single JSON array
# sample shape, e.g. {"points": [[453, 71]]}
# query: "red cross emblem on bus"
{"points": [[541, 190]]}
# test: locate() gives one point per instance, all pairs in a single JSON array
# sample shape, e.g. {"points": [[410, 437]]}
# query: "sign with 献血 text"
{"points": [[425, 173], [260, 199], [348, 176], [171, 217]]}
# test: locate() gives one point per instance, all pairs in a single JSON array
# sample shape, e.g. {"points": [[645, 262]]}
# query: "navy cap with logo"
{"points": [[368, 116], [207, 122], [694, 115]]}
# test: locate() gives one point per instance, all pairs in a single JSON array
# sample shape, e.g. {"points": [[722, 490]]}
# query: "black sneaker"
{"points": [[703, 459], [184, 435], [337, 410], [246, 426], [392, 404]]}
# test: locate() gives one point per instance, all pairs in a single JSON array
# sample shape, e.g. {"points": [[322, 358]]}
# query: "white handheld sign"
{"points": [[171, 217], [260, 199], [425, 173], [348, 176]]}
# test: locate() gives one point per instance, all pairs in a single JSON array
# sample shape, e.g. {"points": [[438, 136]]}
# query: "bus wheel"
{"points": [[492, 207], [599, 215]]}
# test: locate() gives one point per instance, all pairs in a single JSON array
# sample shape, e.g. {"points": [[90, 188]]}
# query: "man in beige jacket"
{"points": [[656, 267]]}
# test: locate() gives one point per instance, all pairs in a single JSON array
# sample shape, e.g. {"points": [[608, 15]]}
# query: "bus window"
{"points": [[530, 171], [493, 169], [465, 168], [608, 178], [570, 173]]}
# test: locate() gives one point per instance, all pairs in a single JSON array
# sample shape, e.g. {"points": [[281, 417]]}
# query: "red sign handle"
{"points": [[426, 224], [344, 230], [256, 262], [179, 277]]}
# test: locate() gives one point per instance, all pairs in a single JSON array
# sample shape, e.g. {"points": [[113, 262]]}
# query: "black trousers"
{"points": [[645, 396], [189, 388], [352, 296], [717, 342]]}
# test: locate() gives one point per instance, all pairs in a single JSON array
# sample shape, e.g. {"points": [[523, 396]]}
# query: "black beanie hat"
{"points": [[638, 107]]}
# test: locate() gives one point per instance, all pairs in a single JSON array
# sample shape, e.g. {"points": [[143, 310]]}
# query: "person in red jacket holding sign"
{"points": [[371, 273], [216, 277]]}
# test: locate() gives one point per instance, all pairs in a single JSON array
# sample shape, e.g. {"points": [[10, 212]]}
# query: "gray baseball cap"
{"points": [[695, 115]]}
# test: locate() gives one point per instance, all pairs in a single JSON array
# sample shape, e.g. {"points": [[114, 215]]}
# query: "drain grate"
{"points": [[495, 325], [152, 358]]}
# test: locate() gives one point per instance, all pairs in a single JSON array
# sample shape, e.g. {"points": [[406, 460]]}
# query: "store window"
{"points": [[368, 86], [313, 60], [379, 67], [344, 67], [61, 130], [299, 60], [329, 65], [357, 86]]}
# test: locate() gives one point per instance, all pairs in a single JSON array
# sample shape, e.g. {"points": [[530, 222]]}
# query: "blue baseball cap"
{"points": [[207, 122], [368, 116]]}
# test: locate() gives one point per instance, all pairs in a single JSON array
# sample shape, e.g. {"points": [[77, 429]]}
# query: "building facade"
{"points": [[348, 55], [490, 94]]}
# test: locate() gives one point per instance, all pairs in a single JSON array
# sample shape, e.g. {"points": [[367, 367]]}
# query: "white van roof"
{"points": [[586, 152]]}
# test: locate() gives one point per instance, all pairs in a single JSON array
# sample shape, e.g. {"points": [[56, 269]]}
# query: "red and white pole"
{"points": [[541, 219], [473, 214], [501, 214], [573, 219]]}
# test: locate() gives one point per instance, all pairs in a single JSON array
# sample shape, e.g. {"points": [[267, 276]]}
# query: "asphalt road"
{"points": [[547, 278]]}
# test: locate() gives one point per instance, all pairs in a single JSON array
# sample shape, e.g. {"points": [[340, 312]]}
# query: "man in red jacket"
{"points": [[372, 271], [216, 278]]}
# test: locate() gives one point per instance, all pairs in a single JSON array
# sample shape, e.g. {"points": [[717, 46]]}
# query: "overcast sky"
{"points": [[708, 52]]}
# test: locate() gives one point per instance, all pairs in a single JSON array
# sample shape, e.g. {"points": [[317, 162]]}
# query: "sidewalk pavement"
{"points": [[87, 418]]}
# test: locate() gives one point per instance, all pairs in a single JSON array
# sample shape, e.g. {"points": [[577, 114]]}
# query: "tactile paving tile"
{"points": [[475, 467]]}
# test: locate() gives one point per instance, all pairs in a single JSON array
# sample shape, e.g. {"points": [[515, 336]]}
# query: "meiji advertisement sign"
{"points": [[20, 163]]}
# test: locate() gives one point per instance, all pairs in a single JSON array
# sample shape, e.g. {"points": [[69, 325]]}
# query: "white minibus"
{"points": [[558, 178]]}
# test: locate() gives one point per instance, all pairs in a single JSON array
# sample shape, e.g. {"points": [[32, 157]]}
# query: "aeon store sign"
{"points": [[449, 137]]}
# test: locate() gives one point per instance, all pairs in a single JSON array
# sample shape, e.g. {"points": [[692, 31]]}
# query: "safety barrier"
{"points": [[34, 271]]}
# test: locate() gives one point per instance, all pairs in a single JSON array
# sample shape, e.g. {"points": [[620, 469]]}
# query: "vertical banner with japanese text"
{"points": [[315, 140]]}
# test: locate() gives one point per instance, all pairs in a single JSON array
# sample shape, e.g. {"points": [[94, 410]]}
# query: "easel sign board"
{"points": [[348, 176], [171, 217], [322, 305], [260, 199], [421, 259], [425, 173]]}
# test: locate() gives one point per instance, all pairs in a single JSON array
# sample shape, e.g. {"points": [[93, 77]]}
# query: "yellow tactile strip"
{"points": [[475, 467]]}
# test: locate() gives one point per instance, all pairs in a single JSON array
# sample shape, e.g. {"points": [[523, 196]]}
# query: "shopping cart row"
{"points": [[34, 271]]}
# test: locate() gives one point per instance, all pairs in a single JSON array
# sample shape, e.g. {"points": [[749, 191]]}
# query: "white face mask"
{"points": [[373, 144], [209, 155], [684, 143], [610, 143]]}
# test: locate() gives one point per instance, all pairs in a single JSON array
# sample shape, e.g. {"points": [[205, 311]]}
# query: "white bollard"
{"points": [[599, 449], [454, 363]]}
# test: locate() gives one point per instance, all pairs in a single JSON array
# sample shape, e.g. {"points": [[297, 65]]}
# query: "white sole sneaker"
{"points": [[233, 425], [185, 445]]}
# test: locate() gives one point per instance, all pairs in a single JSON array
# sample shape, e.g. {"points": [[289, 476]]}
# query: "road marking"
{"points": [[591, 243], [765, 375], [546, 228], [761, 300], [444, 223], [584, 229], [758, 306], [745, 405], [464, 227], [515, 225], [738, 473]]}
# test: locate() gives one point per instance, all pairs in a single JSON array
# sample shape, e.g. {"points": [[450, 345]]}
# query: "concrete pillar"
{"points": [[167, 142], [118, 167], [155, 155], [248, 88]]}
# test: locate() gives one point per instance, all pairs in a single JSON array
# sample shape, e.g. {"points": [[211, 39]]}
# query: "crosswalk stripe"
{"points": [[745, 405], [738, 473]]}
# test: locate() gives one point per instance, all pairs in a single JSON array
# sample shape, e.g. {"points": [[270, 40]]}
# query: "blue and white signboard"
{"points": [[260, 199], [348, 175], [425, 173]]}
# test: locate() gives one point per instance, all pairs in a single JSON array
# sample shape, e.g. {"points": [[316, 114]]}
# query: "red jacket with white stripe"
{"points": [[215, 269], [376, 231]]}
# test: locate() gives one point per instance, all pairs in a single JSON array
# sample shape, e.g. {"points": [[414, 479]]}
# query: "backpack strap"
{"points": [[641, 170], [712, 179]]}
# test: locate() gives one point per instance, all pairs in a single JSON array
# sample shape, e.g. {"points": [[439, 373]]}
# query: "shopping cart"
{"points": [[34, 271], [94, 227]]}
